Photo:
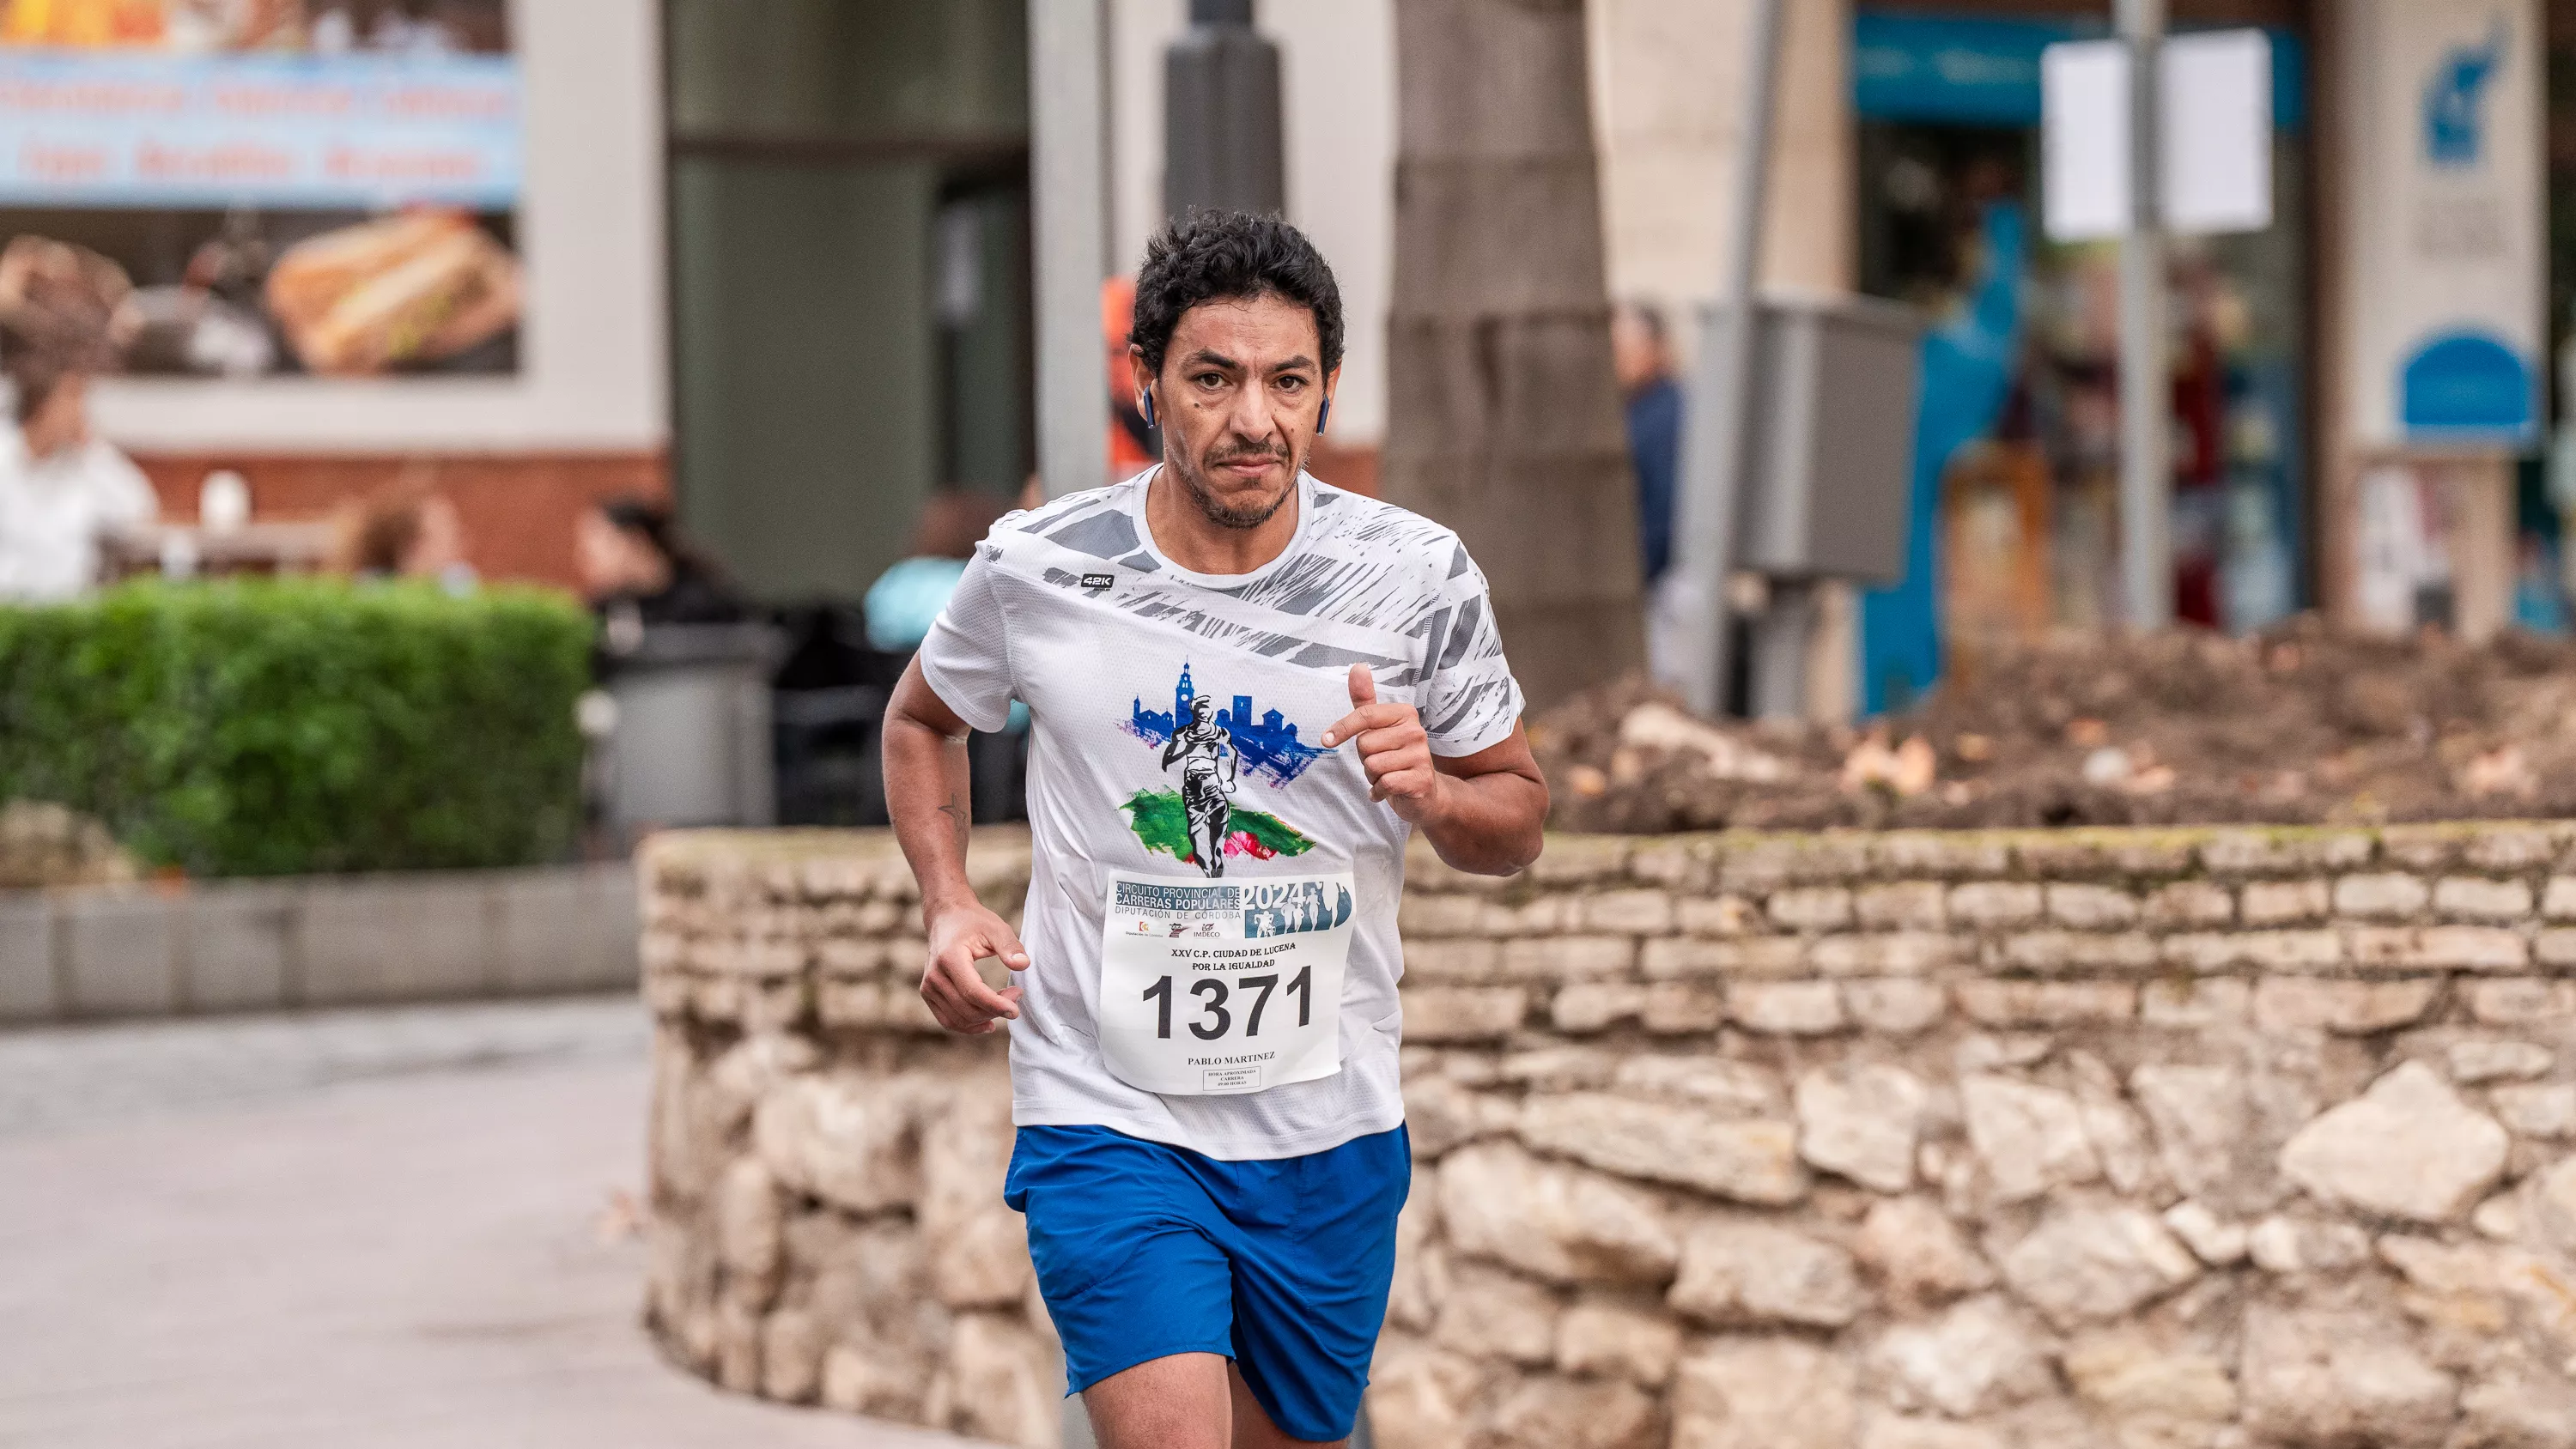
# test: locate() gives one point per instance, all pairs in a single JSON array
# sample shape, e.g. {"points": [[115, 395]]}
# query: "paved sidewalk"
{"points": [[394, 1230]]}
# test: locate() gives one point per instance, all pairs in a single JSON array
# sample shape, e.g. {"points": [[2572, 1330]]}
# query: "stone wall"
{"points": [[2146, 1139]]}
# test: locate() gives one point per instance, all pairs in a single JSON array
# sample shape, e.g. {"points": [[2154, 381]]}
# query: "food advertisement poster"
{"points": [[290, 186]]}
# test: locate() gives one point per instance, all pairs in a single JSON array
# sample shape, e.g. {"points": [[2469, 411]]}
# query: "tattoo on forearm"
{"points": [[959, 817]]}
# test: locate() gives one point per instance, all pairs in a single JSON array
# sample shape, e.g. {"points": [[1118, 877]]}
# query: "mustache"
{"points": [[1233, 455]]}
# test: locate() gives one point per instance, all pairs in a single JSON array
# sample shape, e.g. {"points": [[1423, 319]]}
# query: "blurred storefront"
{"points": [[372, 240], [1947, 109]]}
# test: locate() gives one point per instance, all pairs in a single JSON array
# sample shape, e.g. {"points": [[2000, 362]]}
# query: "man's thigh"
{"points": [[1184, 1401]]}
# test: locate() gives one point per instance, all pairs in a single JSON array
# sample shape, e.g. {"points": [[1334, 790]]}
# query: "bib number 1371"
{"points": [[1215, 1016]]}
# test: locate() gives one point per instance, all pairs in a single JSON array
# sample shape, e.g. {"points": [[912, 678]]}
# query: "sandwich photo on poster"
{"points": [[324, 187]]}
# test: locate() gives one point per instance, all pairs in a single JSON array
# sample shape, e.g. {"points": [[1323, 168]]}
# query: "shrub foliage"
{"points": [[278, 727]]}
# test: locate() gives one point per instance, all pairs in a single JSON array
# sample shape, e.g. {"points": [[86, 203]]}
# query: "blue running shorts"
{"points": [[1145, 1250]]}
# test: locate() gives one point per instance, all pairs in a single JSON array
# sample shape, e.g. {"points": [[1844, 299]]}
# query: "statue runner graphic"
{"points": [[1207, 755]]}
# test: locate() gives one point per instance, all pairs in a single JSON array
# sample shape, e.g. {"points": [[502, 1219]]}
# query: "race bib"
{"points": [[1210, 987]]}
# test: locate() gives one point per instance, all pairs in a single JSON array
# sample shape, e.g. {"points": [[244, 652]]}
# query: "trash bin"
{"points": [[691, 743]]}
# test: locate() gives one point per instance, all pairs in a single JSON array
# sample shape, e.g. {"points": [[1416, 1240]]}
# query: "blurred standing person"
{"points": [[406, 530], [65, 314], [637, 570], [1134, 445], [1644, 360], [905, 598]]}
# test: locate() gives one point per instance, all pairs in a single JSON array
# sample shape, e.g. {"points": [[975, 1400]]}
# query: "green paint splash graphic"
{"points": [[1160, 821]]}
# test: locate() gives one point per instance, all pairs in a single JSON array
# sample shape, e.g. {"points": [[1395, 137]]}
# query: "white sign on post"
{"points": [[2445, 224], [2084, 139], [2214, 126]]}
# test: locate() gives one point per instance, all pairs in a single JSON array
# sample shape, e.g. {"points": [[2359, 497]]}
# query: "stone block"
{"points": [[1742, 1272], [2189, 903], [1910, 905], [2286, 902], [1423, 915], [1859, 1120], [1917, 1253], [120, 954], [1977, 1358], [1463, 1013], [2212, 1239], [1768, 862], [1602, 1340], [2558, 902], [2437, 948], [2315, 1378], [2386, 896], [1895, 1006], [1995, 903], [397, 938], [1685, 865], [2521, 1001], [1569, 958], [1786, 1008], [1591, 1006], [2485, 1059], [241, 944], [2421, 847], [2046, 1003], [2128, 1378], [1553, 1221], [1582, 860], [2407, 1148], [1494, 1315], [1443, 1115], [2068, 951], [2512, 848], [1680, 958], [1717, 916], [2536, 1111], [1544, 1411], [29, 990], [2194, 1001], [1764, 1393], [1745, 1161], [2031, 1138], [1724, 1086], [2480, 898], [2232, 854], [2092, 1264], [1634, 912], [1452, 960], [1812, 908], [2346, 1008], [1538, 916], [1941, 854], [2091, 907], [1888, 953], [2321, 950], [2555, 947]]}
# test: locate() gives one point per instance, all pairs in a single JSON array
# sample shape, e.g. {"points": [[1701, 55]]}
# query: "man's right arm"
{"points": [[926, 794]]}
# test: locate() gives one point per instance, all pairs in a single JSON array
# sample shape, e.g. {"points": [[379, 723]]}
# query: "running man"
{"points": [[1207, 757], [1211, 1149]]}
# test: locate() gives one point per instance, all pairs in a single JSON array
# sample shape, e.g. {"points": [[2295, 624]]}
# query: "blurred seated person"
{"points": [[405, 530], [905, 598], [64, 314], [637, 570]]}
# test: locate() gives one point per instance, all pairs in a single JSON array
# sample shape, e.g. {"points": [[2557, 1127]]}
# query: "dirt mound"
{"points": [[2298, 726]]}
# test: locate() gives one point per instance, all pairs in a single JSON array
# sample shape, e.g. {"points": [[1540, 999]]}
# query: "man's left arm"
{"points": [[1483, 812]]}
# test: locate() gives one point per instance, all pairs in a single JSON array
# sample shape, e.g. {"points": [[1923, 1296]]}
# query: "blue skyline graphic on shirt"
{"points": [[1267, 744]]}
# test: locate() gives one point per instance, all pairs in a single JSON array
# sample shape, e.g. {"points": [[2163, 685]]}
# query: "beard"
{"points": [[1251, 514]]}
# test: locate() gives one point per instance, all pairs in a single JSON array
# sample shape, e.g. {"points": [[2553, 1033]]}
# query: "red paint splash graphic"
{"points": [[1242, 842]]}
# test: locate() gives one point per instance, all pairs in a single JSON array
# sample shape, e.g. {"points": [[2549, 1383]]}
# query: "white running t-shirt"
{"points": [[1071, 609]]}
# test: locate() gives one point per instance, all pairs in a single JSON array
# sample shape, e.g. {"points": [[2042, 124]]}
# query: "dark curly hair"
{"points": [[1210, 256]]}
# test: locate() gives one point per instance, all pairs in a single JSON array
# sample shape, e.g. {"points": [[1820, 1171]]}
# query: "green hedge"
{"points": [[273, 728]]}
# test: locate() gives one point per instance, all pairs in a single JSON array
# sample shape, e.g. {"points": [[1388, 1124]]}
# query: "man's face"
{"points": [[1242, 384], [1635, 351]]}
